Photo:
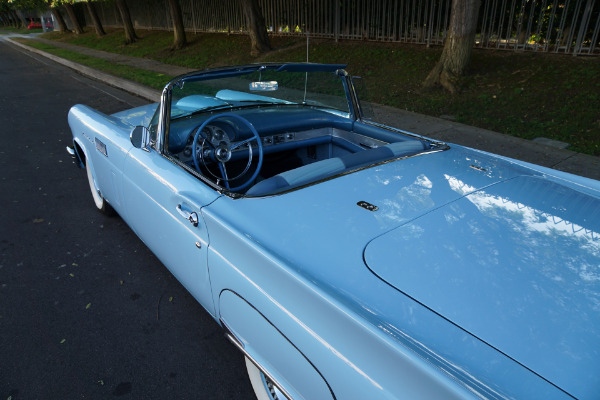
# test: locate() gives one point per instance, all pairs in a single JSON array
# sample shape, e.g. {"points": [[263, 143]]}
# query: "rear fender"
{"points": [[261, 342]]}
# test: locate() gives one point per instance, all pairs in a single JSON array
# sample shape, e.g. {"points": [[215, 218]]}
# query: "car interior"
{"points": [[291, 146]]}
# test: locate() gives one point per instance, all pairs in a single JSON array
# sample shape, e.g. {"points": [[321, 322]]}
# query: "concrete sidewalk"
{"points": [[436, 128]]}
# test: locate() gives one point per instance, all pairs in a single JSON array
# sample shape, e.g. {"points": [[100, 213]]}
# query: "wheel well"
{"points": [[80, 153], [270, 350]]}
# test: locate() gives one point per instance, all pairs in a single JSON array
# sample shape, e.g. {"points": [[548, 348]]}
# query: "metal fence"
{"points": [[559, 26]]}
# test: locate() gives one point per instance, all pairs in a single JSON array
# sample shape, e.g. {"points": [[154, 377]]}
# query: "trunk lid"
{"points": [[516, 259]]}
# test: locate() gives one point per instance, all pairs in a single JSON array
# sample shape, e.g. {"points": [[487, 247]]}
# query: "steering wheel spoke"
{"points": [[242, 143], [218, 148], [223, 169]]}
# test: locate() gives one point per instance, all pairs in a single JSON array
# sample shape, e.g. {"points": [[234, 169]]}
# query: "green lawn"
{"points": [[522, 94], [5, 30], [148, 78]]}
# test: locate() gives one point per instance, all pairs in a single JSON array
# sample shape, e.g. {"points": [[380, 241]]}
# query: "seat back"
{"points": [[329, 167]]}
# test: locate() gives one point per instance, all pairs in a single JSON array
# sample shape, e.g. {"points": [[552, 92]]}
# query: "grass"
{"points": [[23, 31], [522, 94], [148, 78]]}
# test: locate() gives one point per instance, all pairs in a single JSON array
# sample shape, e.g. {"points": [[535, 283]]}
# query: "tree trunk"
{"points": [[259, 39], [14, 19], [23, 20], [458, 47], [130, 36], [62, 26], [95, 19], [179, 39], [71, 12]]}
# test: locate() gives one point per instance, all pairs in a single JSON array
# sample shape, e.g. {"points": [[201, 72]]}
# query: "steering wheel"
{"points": [[217, 148]]}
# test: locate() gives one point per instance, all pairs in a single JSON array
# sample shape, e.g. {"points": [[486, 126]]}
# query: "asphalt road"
{"points": [[86, 310]]}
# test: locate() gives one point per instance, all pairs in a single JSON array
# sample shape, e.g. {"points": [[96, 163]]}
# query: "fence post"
{"points": [[583, 27], [337, 22]]}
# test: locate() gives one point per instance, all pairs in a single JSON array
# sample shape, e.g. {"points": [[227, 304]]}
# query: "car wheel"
{"points": [[263, 387], [101, 204]]}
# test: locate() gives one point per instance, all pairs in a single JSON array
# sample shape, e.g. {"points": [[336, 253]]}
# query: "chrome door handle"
{"points": [[190, 216]]}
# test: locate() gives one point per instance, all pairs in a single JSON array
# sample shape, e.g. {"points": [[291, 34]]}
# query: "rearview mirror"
{"points": [[270, 86], [140, 137]]}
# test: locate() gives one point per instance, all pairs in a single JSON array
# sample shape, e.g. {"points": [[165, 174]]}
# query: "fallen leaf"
{"points": [[62, 341], [75, 265], [171, 298], [88, 306], [38, 220]]}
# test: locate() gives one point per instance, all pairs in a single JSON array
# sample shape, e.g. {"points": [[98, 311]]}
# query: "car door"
{"points": [[163, 205]]}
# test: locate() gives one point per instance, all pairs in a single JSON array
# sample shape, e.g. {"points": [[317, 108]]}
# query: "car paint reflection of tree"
{"points": [[538, 238]]}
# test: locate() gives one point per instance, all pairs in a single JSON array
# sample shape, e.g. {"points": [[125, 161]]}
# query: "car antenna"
{"points": [[306, 73], [307, 42]]}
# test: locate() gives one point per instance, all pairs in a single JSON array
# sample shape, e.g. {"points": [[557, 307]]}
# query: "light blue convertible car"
{"points": [[347, 259]]}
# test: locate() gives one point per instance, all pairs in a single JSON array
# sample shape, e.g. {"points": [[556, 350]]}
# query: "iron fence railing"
{"points": [[559, 26]]}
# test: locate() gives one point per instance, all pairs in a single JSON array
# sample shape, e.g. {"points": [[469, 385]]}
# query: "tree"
{"points": [[259, 39], [95, 19], [62, 26], [18, 19], [11, 10], [68, 5], [458, 46], [179, 39], [130, 36]]}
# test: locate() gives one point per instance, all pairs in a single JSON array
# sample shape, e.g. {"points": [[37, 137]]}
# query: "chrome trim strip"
{"points": [[163, 119], [443, 145], [357, 138], [238, 343]]}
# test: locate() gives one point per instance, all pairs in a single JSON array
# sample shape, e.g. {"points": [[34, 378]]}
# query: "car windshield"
{"points": [[298, 85], [259, 87]]}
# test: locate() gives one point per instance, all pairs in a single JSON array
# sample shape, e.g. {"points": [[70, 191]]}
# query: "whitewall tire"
{"points": [[263, 387], [101, 204]]}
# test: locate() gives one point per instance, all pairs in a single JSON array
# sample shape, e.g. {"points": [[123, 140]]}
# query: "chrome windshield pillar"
{"points": [[163, 119]]}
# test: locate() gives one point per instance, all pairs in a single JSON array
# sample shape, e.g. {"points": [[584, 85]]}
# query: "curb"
{"points": [[144, 92]]}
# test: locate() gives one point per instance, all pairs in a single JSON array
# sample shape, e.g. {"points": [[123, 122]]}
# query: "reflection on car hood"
{"points": [[517, 264]]}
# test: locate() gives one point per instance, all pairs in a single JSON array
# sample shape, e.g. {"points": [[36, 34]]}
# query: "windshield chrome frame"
{"points": [[163, 118]]}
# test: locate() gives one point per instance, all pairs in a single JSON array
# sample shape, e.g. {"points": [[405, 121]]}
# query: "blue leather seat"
{"points": [[329, 167]]}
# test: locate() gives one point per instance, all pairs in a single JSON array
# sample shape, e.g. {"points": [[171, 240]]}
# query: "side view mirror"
{"points": [[140, 137]]}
